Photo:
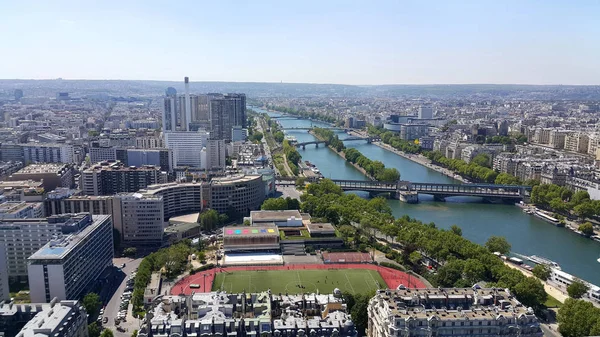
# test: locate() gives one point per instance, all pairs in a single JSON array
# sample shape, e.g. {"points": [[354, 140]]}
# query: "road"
{"points": [[289, 191], [112, 308]]}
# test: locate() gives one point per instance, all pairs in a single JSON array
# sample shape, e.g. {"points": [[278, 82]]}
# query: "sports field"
{"points": [[299, 281]]}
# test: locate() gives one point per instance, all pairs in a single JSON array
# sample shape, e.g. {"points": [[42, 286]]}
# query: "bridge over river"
{"points": [[409, 191]]}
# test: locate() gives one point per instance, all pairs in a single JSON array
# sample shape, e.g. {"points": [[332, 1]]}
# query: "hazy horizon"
{"points": [[313, 42]]}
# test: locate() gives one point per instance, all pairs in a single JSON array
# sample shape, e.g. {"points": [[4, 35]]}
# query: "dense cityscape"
{"points": [[140, 208]]}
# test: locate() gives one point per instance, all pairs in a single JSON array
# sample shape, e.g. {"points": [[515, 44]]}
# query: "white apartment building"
{"points": [[69, 264], [139, 218], [4, 290], [449, 312], [22, 238], [47, 153], [186, 147]]}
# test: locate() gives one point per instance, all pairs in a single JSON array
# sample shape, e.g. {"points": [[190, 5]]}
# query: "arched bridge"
{"points": [[308, 128]]}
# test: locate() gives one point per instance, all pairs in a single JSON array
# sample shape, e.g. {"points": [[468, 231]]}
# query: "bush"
{"points": [[392, 266]]}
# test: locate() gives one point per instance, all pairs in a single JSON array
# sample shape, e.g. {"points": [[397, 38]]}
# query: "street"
{"points": [[289, 191], [112, 308]]}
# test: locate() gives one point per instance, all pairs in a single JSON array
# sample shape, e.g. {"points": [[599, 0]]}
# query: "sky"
{"points": [[306, 41]]}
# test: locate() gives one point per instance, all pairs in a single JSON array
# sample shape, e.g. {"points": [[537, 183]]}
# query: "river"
{"points": [[528, 235]]}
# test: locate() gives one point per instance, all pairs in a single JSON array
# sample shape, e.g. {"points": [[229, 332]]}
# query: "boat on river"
{"points": [[542, 260]]}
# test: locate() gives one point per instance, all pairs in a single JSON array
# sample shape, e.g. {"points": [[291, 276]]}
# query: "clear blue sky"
{"points": [[323, 41]]}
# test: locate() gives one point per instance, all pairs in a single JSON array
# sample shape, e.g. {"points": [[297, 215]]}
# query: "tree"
{"points": [[577, 289], [134, 333], [93, 330], [530, 291], [301, 182], [91, 302], [130, 251], [541, 271], [456, 230], [209, 219], [415, 257], [584, 210], [578, 318], [247, 223], [107, 333], [359, 311], [498, 244], [482, 159], [587, 228], [474, 271], [274, 204]]}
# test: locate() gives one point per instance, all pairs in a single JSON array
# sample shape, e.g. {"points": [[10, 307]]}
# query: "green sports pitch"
{"points": [[299, 281]]}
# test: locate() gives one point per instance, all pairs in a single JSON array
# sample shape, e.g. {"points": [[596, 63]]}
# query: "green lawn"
{"points": [[287, 281], [552, 302]]}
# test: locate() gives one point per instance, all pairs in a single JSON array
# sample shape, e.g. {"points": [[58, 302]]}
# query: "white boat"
{"points": [[542, 260], [598, 260]]}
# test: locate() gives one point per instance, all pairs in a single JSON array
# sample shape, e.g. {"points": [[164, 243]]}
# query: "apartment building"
{"points": [[4, 289], [56, 319], [69, 264], [108, 178], [21, 210], [242, 193], [449, 312]]}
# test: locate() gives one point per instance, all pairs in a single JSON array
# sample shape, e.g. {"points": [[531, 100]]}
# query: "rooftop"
{"points": [[254, 230], [42, 168], [59, 247], [272, 216]]}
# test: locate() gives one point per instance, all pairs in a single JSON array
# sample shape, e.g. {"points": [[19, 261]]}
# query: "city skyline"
{"points": [[553, 42]]}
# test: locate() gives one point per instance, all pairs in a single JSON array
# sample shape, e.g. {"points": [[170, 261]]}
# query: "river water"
{"points": [[528, 235]]}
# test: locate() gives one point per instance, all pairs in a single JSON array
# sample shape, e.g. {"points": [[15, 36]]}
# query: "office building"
{"points": [[139, 219], [162, 158], [52, 175], [239, 193], [180, 198], [69, 264], [54, 319], [18, 94], [149, 142], [100, 153], [186, 147], [4, 289], [215, 154], [21, 210], [449, 312], [11, 152], [47, 153], [110, 178], [221, 118], [239, 113], [239, 134], [169, 113], [425, 112]]}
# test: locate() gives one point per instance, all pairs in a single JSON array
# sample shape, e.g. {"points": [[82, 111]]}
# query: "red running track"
{"points": [[393, 278]]}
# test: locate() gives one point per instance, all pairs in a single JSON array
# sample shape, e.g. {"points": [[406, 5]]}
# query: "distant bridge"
{"points": [[308, 128], [489, 192], [286, 117], [317, 142]]}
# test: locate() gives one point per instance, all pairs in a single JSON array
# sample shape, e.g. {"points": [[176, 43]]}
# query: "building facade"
{"points": [[4, 289], [52, 175], [69, 264], [186, 147], [56, 319], [215, 154], [449, 312], [139, 219], [110, 178], [47, 153], [241, 193], [22, 238]]}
